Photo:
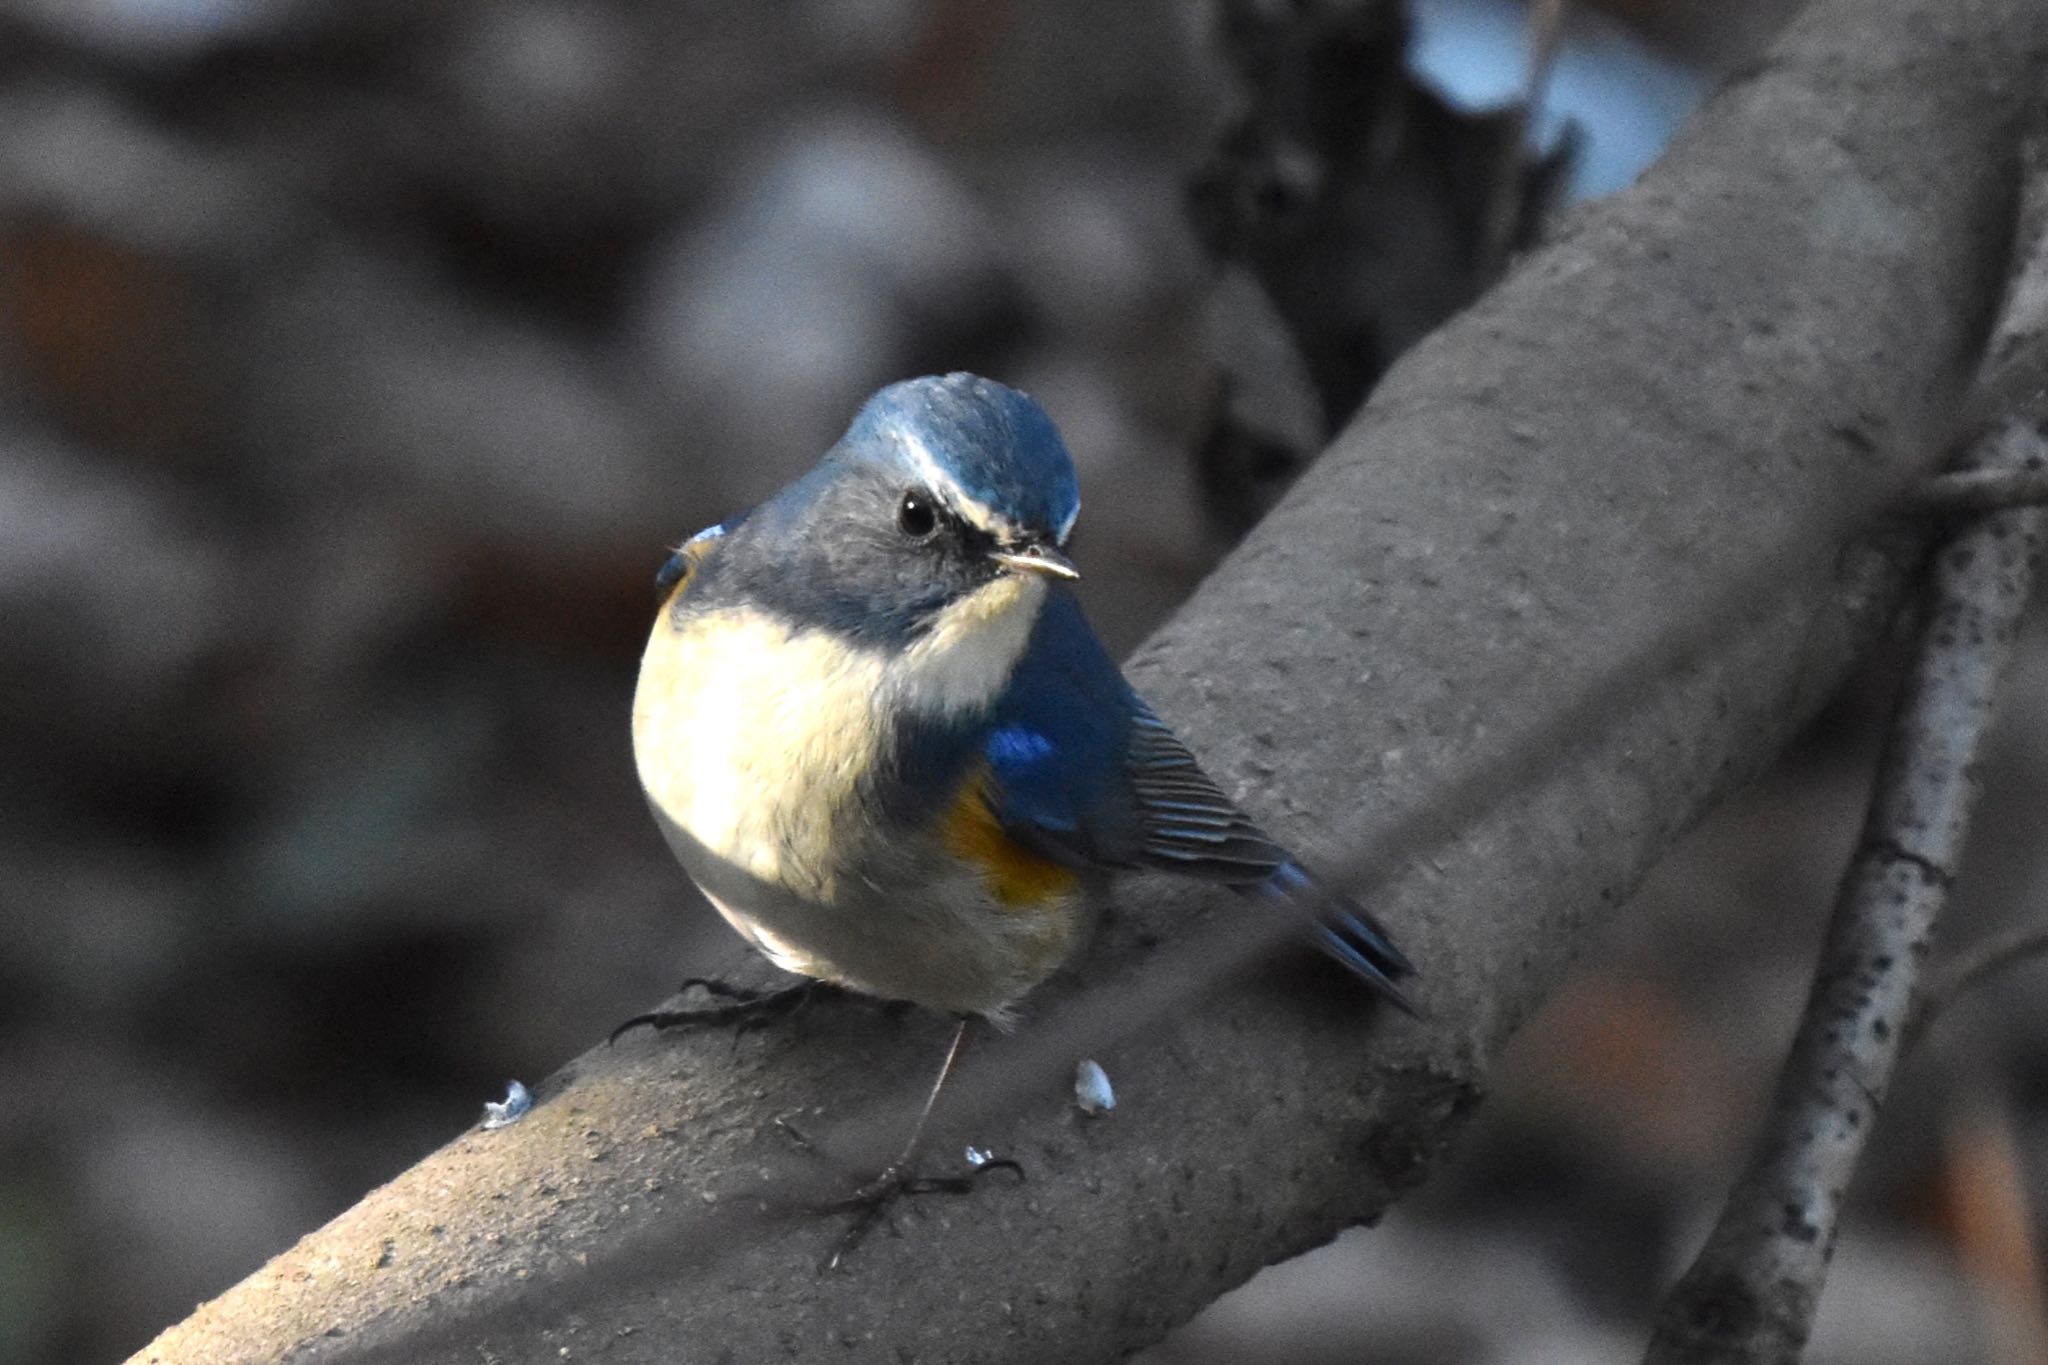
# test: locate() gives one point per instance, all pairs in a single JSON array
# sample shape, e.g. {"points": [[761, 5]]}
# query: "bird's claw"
{"points": [[870, 1203], [750, 1009]]}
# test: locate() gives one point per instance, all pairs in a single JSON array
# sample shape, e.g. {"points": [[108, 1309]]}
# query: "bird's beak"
{"points": [[1040, 558]]}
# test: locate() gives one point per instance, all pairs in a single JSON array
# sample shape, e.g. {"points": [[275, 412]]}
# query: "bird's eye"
{"points": [[915, 515]]}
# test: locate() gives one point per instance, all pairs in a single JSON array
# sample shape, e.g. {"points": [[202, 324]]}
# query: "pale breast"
{"points": [[752, 737], [756, 741]]}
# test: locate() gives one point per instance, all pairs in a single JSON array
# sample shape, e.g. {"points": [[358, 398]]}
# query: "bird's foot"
{"points": [[871, 1202], [749, 1008]]}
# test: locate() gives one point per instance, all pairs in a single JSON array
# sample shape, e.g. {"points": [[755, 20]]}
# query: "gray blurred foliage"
{"points": [[357, 362]]}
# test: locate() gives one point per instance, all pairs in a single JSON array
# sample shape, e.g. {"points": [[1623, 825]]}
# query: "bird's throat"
{"points": [[964, 659]]}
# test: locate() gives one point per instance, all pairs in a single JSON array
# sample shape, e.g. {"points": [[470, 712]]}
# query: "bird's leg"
{"points": [[743, 1006], [892, 1176], [872, 1199]]}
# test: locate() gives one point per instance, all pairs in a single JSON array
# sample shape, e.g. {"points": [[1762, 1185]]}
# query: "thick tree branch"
{"points": [[1577, 570]]}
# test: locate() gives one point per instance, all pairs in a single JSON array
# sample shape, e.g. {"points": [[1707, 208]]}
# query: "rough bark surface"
{"points": [[1615, 493]]}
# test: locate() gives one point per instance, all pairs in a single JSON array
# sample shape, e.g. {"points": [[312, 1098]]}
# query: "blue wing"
{"points": [[1056, 744], [1087, 775]]}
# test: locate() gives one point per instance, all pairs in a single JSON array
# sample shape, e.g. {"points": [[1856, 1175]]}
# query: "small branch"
{"points": [[1971, 492], [1505, 200], [1751, 1294], [1969, 969]]}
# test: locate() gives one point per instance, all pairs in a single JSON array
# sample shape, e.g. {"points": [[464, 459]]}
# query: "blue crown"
{"points": [[987, 449]]}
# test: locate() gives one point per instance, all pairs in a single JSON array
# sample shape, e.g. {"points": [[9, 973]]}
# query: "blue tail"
{"points": [[1346, 932]]}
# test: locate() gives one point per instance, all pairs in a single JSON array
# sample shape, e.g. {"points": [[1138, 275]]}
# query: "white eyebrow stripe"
{"points": [[977, 513]]}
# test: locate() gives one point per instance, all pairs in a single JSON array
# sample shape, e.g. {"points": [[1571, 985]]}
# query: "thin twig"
{"points": [[1966, 492], [1969, 969], [1504, 204], [1751, 1294]]}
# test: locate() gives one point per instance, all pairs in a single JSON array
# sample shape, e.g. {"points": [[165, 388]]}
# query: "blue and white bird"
{"points": [[880, 736]]}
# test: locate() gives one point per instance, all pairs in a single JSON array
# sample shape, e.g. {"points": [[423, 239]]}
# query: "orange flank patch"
{"points": [[1019, 878]]}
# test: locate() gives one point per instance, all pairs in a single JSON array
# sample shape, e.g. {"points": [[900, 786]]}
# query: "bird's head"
{"points": [[942, 510], [976, 469]]}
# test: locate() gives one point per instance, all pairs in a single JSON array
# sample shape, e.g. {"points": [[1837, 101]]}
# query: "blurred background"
{"points": [[358, 363]]}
